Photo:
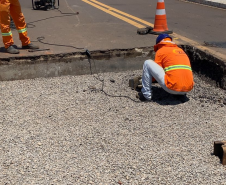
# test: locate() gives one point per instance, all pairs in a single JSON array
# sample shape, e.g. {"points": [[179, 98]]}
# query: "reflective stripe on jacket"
{"points": [[174, 67]]}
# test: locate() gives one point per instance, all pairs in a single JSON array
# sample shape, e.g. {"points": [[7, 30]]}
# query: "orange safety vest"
{"points": [[176, 64], [12, 8]]}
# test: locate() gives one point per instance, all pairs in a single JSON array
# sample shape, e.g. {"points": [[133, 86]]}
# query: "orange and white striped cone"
{"points": [[160, 25]]}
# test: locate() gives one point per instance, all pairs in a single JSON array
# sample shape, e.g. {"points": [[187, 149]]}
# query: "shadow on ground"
{"points": [[164, 98], [2, 50]]}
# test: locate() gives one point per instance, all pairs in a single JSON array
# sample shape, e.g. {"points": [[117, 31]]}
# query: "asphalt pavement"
{"points": [[76, 26]]}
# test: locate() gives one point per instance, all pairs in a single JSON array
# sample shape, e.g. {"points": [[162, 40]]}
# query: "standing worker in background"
{"points": [[12, 8], [171, 69]]}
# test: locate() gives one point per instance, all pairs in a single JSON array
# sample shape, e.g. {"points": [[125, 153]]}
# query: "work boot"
{"points": [[141, 97], [12, 50], [30, 46]]}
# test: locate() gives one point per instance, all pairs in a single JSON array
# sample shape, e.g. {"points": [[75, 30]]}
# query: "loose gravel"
{"points": [[65, 130]]}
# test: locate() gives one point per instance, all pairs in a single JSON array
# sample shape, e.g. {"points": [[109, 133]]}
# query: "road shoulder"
{"points": [[214, 3]]}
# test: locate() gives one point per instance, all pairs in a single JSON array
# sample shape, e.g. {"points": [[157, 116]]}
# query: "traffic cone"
{"points": [[160, 25]]}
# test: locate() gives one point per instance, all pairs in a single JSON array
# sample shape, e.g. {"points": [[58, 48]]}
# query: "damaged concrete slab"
{"points": [[78, 63], [207, 65]]}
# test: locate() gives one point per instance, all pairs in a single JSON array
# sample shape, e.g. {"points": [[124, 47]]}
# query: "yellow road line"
{"points": [[123, 13], [116, 15], [110, 9]]}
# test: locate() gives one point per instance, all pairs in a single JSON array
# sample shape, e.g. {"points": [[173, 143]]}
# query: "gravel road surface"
{"points": [[65, 130]]}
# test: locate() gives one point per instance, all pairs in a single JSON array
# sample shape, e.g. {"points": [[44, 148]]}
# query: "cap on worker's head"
{"points": [[162, 36]]}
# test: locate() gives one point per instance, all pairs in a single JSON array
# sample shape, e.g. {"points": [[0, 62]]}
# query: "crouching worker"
{"points": [[12, 8], [171, 69]]}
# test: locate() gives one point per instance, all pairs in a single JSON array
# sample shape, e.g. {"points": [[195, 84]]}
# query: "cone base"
{"points": [[144, 31], [160, 32]]}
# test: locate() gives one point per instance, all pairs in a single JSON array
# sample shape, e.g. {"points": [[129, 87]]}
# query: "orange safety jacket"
{"points": [[176, 64], [12, 8]]}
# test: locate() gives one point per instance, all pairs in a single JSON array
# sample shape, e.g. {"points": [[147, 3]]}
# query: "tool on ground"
{"points": [[44, 4], [34, 50], [220, 150], [160, 25], [136, 82]]}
